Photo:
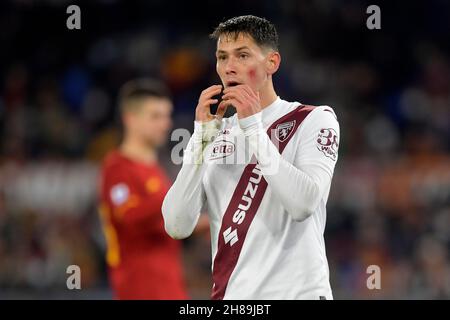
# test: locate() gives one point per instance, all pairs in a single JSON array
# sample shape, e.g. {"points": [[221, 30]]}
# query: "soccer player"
{"points": [[263, 174], [143, 261]]}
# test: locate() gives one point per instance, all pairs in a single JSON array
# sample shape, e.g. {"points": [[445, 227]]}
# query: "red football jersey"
{"points": [[143, 261]]}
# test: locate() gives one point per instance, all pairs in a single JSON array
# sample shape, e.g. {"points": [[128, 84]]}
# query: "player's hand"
{"points": [[203, 110], [243, 98]]}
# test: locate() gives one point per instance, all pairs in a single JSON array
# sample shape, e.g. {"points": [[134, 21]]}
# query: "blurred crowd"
{"points": [[390, 199]]}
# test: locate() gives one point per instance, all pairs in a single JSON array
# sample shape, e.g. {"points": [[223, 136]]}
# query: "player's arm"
{"points": [[130, 208], [182, 204], [301, 185]]}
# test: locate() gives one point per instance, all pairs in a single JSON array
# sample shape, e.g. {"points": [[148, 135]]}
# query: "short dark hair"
{"points": [[138, 89], [261, 30]]}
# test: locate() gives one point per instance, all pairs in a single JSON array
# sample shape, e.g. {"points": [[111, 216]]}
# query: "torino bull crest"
{"points": [[284, 130]]}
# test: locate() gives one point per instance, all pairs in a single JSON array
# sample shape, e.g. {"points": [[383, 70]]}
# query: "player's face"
{"points": [[152, 121], [241, 61]]}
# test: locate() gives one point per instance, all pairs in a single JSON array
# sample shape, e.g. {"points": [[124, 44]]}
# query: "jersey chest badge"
{"points": [[284, 130]]}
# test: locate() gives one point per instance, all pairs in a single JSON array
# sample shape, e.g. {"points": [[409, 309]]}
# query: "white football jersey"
{"points": [[259, 251]]}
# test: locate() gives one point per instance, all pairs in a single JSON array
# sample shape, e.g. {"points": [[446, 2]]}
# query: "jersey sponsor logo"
{"points": [[327, 143], [221, 149], [119, 194], [284, 130], [243, 206], [230, 236]]}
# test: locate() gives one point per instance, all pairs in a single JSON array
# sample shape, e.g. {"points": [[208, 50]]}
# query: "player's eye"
{"points": [[243, 56], [221, 58]]}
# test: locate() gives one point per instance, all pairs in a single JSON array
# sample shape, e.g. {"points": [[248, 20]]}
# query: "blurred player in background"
{"points": [[143, 261], [267, 217]]}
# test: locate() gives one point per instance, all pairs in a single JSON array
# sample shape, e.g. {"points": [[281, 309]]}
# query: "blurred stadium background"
{"points": [[390, 200]]}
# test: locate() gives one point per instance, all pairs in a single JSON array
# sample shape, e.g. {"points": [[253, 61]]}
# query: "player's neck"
{"points": [[267, 95], [138, 151]]}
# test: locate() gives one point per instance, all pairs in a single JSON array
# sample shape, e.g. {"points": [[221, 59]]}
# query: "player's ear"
{"points": [[273, 62], [127, 119]]}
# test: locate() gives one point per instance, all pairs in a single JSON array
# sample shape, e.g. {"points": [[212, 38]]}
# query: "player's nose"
{"points": [[230, 67]]}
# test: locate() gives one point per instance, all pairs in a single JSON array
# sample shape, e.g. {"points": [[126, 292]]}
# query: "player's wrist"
{"points": [[206, 131], [251, 125]]}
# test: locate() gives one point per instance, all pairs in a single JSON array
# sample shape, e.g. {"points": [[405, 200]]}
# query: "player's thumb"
{"points": [[221, 109]]}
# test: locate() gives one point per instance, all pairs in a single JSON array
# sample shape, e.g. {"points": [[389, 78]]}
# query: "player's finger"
{"points": [[213, 87], [232, 102], [204, 99], [243, 93], [247, 93], [245, 88], [209, 102], [211, 91], [208, 94], [221, 109], [234, 95]]}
